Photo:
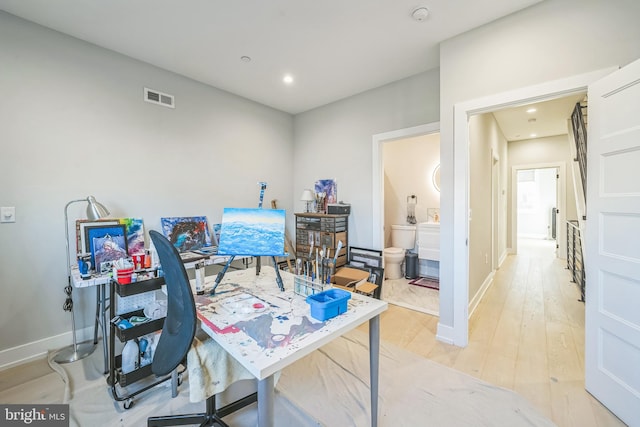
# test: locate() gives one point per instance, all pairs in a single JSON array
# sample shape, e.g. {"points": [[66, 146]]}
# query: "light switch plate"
{"points": [[8, 214]]}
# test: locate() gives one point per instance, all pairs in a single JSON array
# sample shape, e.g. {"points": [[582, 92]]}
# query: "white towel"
{"points": [[212, 370]]}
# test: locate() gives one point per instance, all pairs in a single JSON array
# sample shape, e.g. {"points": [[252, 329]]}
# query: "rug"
{"points": [[426, 282]]}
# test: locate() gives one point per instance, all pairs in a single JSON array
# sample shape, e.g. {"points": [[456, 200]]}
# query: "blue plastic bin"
{"points": [[328, 304]]}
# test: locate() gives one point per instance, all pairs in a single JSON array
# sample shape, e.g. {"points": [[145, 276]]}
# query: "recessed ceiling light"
{"points": [[288, 79], [245, 58], [533, 135], [532, 110]]}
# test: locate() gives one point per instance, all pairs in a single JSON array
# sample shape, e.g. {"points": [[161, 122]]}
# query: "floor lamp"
{"points": [[77, 351]]}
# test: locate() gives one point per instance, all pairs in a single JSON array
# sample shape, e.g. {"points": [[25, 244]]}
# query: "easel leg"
{"points": [[221, 274], [278, 277]]}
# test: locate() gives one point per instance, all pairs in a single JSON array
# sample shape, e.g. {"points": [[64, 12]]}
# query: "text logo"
{"points": [[35, 415]]}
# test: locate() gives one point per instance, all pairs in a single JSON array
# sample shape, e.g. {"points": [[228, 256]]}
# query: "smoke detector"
{"points": [[420, 14]]}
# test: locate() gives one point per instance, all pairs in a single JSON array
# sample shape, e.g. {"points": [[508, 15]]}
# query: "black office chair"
{"points": [[177, 337]]}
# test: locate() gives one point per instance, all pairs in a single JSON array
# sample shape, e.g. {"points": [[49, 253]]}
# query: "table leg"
{"points": [[374, 353], [98, 307], [265, 402], [105, 346]]}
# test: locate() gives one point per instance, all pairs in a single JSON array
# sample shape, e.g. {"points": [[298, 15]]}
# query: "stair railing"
{"points": [[575, 260]]}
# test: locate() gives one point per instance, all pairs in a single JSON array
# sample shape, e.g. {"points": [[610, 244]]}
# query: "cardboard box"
{"points": [[346, 276], [366, 288]]}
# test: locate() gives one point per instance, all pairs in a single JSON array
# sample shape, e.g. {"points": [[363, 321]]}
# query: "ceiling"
{"points": [[549, 119], [332, 48]]}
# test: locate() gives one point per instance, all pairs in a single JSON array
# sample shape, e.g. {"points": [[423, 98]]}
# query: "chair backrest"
{"points": [[180, 324]]}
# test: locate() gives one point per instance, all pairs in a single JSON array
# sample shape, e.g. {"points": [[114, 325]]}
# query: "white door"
{"points": [[612, 329]]}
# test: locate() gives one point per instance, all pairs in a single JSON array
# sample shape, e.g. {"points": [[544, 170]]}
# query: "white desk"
{"points": [[99, 281], [280, 330]]}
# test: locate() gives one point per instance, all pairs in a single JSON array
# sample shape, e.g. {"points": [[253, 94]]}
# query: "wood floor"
{"points": [[526, 335]]}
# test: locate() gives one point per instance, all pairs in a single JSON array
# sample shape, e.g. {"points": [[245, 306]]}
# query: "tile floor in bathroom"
{"points": [[400, 292]]}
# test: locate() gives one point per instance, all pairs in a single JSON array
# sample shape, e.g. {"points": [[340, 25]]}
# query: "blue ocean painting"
{"points": [[252, 232]]}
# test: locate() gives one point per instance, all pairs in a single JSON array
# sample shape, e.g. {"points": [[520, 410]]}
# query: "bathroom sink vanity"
{"points": [[429, 249]]}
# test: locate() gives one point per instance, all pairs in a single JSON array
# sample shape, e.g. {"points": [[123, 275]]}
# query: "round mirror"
{"points": [[436, 177]]}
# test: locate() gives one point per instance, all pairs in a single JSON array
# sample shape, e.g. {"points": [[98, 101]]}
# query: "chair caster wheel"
{"points": [[128, 403]]}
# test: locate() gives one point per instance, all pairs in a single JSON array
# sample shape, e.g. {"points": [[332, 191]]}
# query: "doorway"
{"points": [[537, 208], [454, 296], [393, 183]]}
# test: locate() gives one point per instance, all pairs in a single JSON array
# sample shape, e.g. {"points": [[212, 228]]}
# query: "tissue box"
{"points": [[328, 304]]}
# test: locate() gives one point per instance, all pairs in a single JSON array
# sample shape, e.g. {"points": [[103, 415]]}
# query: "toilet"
{"points": [[403, 237]]}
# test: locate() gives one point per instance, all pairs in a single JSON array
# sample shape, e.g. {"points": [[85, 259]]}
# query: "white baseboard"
{"points": [[37, 349], [503, 257], [473, 304], [445, 334]]}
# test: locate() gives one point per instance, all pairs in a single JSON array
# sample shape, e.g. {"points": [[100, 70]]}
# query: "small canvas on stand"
{"points": [[251, 232]]}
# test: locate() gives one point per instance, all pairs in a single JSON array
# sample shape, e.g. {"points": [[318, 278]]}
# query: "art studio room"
{"points": [[302, 214]]}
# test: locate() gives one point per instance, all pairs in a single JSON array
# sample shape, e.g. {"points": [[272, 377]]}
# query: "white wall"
{"points": [[408, 169], [73, 124], [335, 141], [551, 40]]}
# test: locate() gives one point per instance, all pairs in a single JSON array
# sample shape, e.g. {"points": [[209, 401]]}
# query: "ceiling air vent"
{"points": [[155, 97]]}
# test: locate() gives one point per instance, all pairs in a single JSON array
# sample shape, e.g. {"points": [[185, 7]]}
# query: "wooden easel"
{"points": [[288, 247]]}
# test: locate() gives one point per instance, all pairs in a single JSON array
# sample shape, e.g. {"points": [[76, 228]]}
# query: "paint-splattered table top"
{"points": [[266, 329]]}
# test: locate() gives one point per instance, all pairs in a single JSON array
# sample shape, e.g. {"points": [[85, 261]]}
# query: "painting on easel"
{"points": [[252, 232]]}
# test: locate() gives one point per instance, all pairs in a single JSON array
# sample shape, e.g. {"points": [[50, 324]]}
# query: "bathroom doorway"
{"points": [[403, 168]]}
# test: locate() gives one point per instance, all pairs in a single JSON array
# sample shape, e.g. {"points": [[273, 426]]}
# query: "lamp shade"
{"points": [[307, 196], [96, 210]]}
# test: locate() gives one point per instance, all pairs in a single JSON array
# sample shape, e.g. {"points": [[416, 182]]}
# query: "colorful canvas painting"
{"points": [[187, 233], [252, 232], [109, 241], [135, 234], [329, 188]]}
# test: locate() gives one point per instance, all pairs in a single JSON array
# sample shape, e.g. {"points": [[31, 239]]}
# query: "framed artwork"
{"points": [[252, 232], [109, 241], [365, 258], [82, 245], [133, 226], [187, 233]]}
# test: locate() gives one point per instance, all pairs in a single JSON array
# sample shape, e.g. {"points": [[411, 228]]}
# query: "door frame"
{"points": [[561, 198], [454, 305]]}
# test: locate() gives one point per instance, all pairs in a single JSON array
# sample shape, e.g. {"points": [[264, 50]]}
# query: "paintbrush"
{"points": [[338, 249]]}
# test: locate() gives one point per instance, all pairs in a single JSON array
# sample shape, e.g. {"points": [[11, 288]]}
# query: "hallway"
{"points": [[527, 335]]}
